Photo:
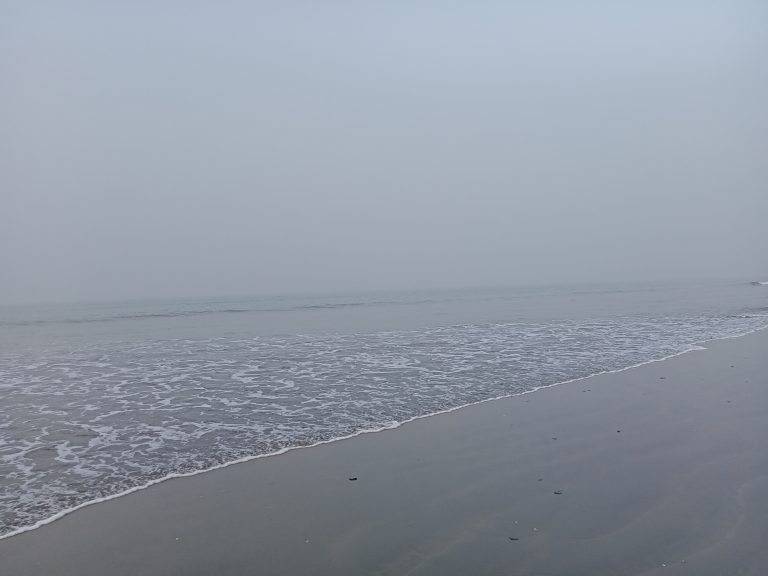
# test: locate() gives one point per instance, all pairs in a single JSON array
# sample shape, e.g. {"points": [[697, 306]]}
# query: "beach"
{"points": [[657, 469], [383, 289]]}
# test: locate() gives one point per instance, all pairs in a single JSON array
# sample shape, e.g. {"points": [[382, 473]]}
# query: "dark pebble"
{"points": [[514, 539], [662, 377], [353, 479], [618, 431], [558, 491]]}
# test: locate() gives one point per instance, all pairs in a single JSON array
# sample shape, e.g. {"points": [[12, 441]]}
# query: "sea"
{"points": [[101, 399]]}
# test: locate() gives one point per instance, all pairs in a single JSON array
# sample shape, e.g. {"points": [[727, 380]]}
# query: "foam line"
{"points": [[692, 348]]}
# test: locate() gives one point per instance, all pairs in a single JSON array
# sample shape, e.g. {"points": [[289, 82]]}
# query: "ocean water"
{"points": [[99, 399]]}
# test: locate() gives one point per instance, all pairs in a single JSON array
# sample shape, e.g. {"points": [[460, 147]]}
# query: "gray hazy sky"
{"points": [[162, 148]]}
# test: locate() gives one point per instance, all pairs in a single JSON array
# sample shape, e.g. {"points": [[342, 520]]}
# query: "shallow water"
{"points": [[100, 398]]}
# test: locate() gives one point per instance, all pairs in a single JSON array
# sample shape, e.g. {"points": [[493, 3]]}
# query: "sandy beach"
{"points": [[383, 288], [660, 469]]}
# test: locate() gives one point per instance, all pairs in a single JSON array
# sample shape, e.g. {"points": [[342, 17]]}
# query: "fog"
{"points": [[180, 148]]}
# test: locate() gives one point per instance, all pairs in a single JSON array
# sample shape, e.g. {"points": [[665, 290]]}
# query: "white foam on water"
{"points": [[379, 428]]}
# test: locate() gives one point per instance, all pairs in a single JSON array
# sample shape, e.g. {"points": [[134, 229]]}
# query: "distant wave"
{"points": [[616, 291], [188, 313], [114, 317]]}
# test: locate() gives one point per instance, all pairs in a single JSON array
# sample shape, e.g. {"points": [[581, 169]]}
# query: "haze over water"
{"points": [[167, 149]]}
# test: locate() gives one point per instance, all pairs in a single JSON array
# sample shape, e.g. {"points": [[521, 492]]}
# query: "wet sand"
{"points": [[661, 469]]}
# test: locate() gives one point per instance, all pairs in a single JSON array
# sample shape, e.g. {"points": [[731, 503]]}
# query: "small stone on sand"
{"points": [[353, 478]]}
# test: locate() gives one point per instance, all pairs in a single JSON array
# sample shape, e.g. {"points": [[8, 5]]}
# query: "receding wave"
{"points": [[97, 420]]}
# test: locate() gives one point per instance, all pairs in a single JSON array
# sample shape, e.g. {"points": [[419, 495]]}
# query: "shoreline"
{"points": [[695, 347], [659, 469]]}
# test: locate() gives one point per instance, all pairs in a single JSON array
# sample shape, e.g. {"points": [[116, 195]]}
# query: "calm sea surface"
{"points": [[96, 399]]}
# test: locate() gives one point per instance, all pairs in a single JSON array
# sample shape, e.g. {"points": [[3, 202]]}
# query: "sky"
{"points": [[186, 148]]}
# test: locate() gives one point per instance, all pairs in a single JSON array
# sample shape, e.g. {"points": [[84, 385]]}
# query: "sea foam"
{"points": [[98, 421]]}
